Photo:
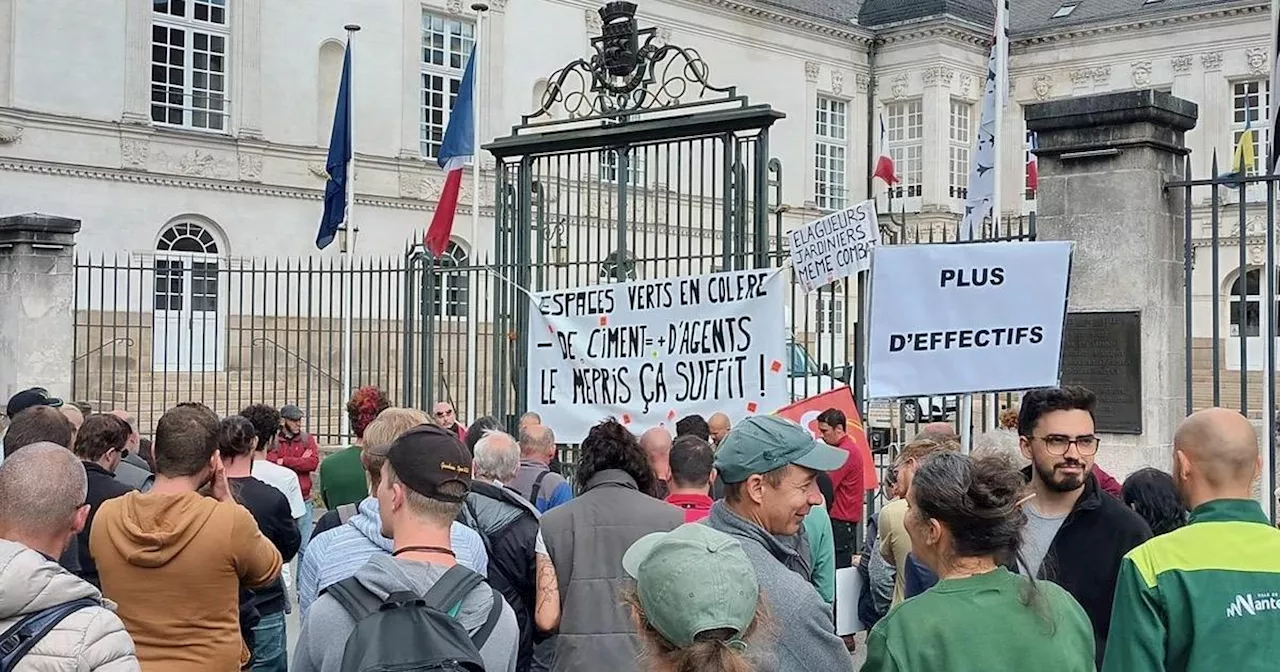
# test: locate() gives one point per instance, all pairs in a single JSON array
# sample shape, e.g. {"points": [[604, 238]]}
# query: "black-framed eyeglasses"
{"points": [[1059, 444]]}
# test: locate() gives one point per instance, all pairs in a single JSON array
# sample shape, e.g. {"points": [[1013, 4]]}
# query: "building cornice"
{"points": [[1171, 20], [861, 36], [208, 184], [934, 28]]}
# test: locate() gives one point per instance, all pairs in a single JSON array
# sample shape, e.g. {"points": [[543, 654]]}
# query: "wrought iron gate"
{"points": [[635, 165]]}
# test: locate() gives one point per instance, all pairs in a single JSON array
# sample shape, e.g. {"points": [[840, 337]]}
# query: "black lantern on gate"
{"points": [[619, 45]]}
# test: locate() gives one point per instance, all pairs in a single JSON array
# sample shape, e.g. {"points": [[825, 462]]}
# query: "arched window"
{"points": [[176, 265], [451, 285], [1249, 295], [187, 237]]}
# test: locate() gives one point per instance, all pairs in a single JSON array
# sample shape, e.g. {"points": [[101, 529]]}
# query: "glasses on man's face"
{"points": [[1059, 444]]}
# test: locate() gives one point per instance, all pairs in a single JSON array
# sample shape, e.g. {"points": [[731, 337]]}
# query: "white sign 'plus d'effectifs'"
{"points": [[834, 247], [966, 317], [651, 352]]}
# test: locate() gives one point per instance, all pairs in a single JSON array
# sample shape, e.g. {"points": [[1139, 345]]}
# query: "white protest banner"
{"points": [[966, 317], [834, 247], [653, 351]]}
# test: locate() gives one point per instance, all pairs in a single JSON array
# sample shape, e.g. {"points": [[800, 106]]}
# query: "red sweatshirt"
{"points": [[301, 454], [847, 481]]}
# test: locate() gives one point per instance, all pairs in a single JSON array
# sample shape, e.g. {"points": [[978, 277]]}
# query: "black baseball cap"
{"points": [[427, 457], [30, 398]]}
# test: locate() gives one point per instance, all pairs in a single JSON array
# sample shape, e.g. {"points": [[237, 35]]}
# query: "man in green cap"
{"points": [[769, 465]]}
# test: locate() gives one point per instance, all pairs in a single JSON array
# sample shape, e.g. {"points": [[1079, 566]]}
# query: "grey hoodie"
{"points": [[327, 625], [806, 634]]}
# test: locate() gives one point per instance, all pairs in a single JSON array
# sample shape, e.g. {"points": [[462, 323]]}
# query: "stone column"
{"points": [[248, 28], [137, 64], [1104, 161], [37, 282]]}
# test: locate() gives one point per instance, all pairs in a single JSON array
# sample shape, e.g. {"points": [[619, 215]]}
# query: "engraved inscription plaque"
{"points": [[1103, 352]]}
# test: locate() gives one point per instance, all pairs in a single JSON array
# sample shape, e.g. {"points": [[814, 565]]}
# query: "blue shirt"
{"points": [[338, 553]]}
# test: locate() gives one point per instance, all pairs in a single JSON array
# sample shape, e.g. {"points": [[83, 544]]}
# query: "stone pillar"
{"points": [[137, 64], [1104, 161], [37, 283]]}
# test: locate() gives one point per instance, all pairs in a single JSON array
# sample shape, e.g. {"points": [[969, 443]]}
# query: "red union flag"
{"points": [[806, 412]]}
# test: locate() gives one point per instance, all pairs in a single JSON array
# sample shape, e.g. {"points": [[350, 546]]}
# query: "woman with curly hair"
{"points": [[1152, 495], [586, 539], [342, 474]]}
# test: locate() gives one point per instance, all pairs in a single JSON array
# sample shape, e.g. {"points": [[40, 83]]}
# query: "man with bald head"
{"points": [[534, 479], [720, 425], [1205, 596], [42, 494], [657, 445]]}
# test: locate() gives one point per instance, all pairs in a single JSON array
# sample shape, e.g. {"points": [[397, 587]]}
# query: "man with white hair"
{"points": [[42, 494], [133, 471], [509, 525]]}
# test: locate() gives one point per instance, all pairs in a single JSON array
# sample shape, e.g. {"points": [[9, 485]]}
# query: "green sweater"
{"points": [[979, 624], [822, 552], [342, 478], [1202, 598]]}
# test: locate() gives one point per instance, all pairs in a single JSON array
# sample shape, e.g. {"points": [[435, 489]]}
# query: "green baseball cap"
{"points": [[691, 580], [762, 443]]}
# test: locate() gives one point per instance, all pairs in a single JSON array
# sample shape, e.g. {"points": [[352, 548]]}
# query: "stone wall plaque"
{"points": [[1103, 352]]}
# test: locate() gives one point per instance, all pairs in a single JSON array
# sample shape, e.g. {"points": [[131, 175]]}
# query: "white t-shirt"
{"points": [[283, 479]]}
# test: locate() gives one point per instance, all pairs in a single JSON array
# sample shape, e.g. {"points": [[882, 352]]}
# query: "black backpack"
{"points": [[408, 632]]}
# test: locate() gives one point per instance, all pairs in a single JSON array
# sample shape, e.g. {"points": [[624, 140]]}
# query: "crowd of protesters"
{"points": [[706, 546]]}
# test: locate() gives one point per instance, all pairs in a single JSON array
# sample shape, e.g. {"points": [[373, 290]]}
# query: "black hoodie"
{"points": [[1084, 557]]}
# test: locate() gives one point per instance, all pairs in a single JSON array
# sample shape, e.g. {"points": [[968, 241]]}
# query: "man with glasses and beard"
{"points": [[1076, 535]]}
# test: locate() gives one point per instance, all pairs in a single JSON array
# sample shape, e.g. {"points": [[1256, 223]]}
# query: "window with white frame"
{"points": [[830, 314], [1250, 104], [961, 140], [635, 166], [452, 286], [831, 145], [189, 48], [446, 46], [1246, 298], [904, 128]]}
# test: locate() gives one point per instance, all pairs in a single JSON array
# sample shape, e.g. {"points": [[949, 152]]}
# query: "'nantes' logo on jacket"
{"points": [[1250, 604]]}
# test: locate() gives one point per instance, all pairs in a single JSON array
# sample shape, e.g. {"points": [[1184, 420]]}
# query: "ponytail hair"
{"points": [[720, 650]]}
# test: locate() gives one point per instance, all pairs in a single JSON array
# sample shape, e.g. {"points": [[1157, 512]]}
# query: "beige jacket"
{"points": [[92, 638]]}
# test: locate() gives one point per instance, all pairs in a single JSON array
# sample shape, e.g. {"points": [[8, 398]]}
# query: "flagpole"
{"points": [[349, 231], [473, 336]]}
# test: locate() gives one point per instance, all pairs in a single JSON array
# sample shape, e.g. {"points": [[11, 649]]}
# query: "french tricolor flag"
{"points": [[885, 169], [458, 146], [1033, 165]]}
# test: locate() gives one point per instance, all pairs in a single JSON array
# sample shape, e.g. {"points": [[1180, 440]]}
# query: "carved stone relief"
{"points": [[10, 134], [1211, 61], [1181, 64], [133, 154], [811, 71], [899, 86], [1042, 85], [196, 163], [1141, 72], [592, 18], [1256, 57], [251, 167], [837, 80]]}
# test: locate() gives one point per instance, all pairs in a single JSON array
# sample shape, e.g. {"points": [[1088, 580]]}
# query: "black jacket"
{"points": [[102, 486], [1084, 557], [270, 510], [508, 524]]}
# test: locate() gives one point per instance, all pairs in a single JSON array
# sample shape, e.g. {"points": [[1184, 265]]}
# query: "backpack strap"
{"points": [[346, 512], [18, 640], [495, 613], [537, 487], [451, 588], [357, 600]]}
